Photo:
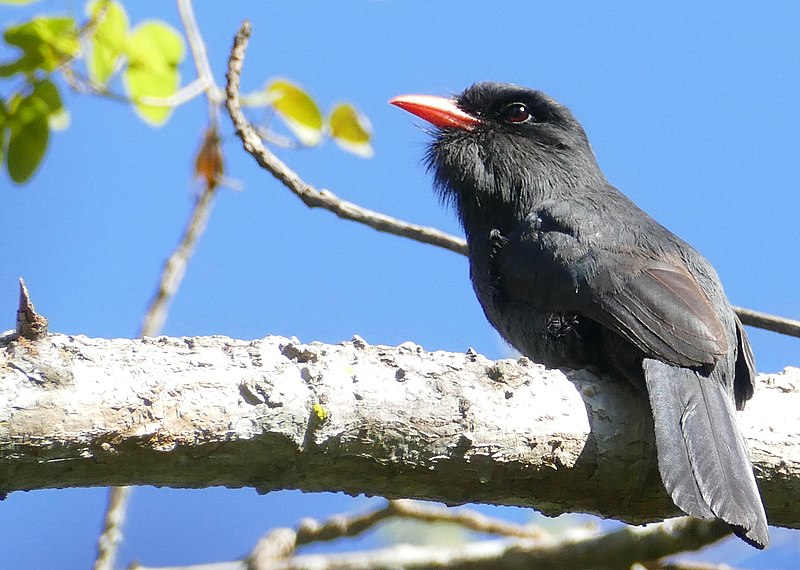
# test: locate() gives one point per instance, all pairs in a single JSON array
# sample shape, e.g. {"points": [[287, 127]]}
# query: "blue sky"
{"points": [[691, 110]]}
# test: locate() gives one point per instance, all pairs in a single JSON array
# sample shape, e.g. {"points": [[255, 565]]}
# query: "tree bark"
{"points": [[398, 421]]}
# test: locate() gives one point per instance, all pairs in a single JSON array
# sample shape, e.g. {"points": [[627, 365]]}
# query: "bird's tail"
{"points": [[701, 453]]}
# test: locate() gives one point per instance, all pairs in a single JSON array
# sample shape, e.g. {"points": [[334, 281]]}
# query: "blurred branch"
{"points": [[175, 266], [665, 565], [325, 199], [197, 45], [111, 536], [280, 543], [84, 85], [611, 550]]}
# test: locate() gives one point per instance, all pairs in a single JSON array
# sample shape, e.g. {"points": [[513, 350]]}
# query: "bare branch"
{"points": [[684, 566], [467, 518], [175, 267], [395, 422], [310, 196], [110, 538], [200, 56], [617, 549], [768, 322], [282, 542]]}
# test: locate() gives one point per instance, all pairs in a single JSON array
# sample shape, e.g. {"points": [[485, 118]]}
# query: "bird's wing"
{"points": [[663, 311], [744, 382], [654, 303]]}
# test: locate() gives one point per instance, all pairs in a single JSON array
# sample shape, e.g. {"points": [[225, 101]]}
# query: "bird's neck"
{"points": [[482, 213]]}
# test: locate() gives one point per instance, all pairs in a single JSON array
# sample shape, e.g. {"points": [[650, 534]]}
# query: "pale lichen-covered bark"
{"points": [[393, 421]]}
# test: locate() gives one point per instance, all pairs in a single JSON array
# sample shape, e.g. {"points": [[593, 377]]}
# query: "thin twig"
{"points": [[467, 518], [314, 198], [200, 56], [769, 322], [685, 566], [618, 549], [175, 267], [204, 83], [341, 526], [109, 540], [280, 543], [84, 85]]}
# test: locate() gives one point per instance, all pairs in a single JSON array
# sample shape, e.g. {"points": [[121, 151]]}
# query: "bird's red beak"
{"points": [[439, 111]]}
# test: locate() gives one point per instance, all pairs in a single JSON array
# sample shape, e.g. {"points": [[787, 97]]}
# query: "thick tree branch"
{"points": [[398, 422]]}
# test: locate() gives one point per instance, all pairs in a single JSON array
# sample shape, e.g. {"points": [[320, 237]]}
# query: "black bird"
{"points": [[573, 274]]}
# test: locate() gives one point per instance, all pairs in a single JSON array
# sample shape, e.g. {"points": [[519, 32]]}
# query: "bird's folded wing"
{"points": [[664, 312], [744, 382]]}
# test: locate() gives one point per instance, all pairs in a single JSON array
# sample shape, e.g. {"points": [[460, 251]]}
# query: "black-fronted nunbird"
{"points": [[572, 273]]}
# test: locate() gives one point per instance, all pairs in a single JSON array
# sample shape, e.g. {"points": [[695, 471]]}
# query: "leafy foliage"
{"points": [[300, 112], [150, 55], [145, 60], [26, 119], [350, 130], [107, 42], [154, 51], [45, 42]]}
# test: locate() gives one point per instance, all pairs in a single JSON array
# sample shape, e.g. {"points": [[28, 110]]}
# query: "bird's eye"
{"points": [[517, 113]]}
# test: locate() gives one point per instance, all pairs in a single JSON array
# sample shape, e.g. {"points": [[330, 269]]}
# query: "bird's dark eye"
{"points": [[517, 113]]}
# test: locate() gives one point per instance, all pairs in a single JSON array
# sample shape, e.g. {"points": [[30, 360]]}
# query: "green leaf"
{"points": [[45, 97], [28, 141], [3, 113], [154, 52], [351, 130], [45, 42], [3, 129], [107, 42], [297, 109], [42, 101], [28, 121]]}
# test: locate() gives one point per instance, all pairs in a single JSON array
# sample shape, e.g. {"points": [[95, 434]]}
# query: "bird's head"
{"points": [[497, 144]]}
